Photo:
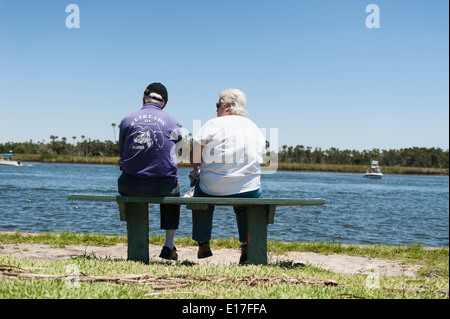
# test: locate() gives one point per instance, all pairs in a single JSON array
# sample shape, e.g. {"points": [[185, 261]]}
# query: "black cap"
{"points": [[157, 88]]}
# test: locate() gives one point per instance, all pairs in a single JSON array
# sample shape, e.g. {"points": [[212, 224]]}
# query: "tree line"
{"points": [[81, 147], [406, 157]]}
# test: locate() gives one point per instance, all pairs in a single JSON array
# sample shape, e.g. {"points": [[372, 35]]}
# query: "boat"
{"points": [[373, 171], [7, 159]]}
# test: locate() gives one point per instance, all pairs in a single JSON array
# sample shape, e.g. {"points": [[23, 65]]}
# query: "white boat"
{"points": [[7, 159], [373, 171]]}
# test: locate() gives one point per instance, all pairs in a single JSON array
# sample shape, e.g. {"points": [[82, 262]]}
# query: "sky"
{"points": [[319, 73]]}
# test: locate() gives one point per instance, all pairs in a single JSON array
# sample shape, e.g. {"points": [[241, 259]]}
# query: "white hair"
{"points": [[154, 98], [237, 99]]}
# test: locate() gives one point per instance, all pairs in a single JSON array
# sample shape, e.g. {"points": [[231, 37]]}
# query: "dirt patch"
{"points": [[335, 263]]}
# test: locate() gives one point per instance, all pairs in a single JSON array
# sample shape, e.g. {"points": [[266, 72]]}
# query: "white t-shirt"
{"points": [[233, 150]]}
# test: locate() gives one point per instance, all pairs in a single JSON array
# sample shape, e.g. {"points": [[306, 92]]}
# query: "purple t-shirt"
{"points": [[147, 144]]}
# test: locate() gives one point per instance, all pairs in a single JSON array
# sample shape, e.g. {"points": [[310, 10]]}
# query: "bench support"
{"points": [[136, 215], [257, 220], [260, 213]]}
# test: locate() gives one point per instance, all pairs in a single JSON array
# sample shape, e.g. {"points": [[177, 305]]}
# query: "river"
{"points": [[397, 210]]}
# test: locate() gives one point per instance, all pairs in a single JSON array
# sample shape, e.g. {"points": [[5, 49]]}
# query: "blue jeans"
{"points": [[132, 186], [202, 220]]}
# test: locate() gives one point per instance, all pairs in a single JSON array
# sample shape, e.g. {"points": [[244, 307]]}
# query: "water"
{"points": [[395, 210]]}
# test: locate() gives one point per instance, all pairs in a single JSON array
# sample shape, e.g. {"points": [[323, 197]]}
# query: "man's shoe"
{"points": [[169, 254], [244, 255], [204, 250]]}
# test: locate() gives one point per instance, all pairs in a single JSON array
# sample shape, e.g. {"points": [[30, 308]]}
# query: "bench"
{"points": [[260, 213]]}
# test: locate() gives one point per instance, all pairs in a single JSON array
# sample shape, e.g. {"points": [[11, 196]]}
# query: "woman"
{"points": [[226, 156]]}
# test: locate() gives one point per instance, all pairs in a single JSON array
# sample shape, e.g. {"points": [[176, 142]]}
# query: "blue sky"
{"points": [[311, 69]]}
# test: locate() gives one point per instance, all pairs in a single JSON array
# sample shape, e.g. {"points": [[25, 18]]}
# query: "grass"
{"points": [[106, 278], [342, 168], [68, 159], [61, 239]]}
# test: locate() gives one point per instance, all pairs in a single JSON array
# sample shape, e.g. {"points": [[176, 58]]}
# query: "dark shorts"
{"points": [[132, 186]]}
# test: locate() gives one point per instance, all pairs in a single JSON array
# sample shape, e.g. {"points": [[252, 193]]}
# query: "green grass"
{"points": [[342, 168], [61, 239], [188, 280], [69, 159]]}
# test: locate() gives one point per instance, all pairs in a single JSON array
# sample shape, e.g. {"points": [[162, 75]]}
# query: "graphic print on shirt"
{"points": [[149, 135]]}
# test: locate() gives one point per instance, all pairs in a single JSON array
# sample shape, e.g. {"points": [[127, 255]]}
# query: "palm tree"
{"points": [[114, 129], [82, 143]]}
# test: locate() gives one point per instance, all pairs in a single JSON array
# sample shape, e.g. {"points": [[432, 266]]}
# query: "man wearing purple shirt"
{"points": [[148, 159]]}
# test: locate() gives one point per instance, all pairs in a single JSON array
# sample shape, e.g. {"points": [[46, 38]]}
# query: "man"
{"points": [[148, 159], [226, 156]]}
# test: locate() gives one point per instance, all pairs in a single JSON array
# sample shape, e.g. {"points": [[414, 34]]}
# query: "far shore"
{"points": [[299, 167]]}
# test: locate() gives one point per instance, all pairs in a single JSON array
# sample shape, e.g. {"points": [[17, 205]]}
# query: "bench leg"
{"points": [[257, 234], [137, 230]]}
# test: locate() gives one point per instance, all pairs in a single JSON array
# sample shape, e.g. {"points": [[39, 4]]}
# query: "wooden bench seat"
{"points": [[260, 213]]}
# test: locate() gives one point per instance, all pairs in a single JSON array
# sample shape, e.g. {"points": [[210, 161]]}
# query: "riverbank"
{"points": [[39, 265], [408, 254], [337, 168]]}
